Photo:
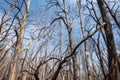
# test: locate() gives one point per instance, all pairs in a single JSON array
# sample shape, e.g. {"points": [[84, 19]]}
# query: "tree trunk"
{"points": [[111, 49], [76, 71], [85, 43], [18, 46]]}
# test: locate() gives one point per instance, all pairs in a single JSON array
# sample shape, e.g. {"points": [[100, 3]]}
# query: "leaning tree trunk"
{"points": [[18, 46], [111, 49]]}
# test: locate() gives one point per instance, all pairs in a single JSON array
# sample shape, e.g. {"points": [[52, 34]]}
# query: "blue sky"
{"points": [[36, 8], [37, 11]]}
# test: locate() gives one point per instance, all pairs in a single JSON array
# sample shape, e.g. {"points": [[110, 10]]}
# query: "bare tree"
{"points": [[18, 45], [85, 43], [110, 41], [59, 40]]}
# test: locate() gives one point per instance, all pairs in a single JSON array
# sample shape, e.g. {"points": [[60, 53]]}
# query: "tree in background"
{"points": [[59, 40]]}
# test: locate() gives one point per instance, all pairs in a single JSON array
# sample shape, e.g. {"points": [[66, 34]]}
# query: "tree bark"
{"points": [[76, 71], [111, 48], [18, 46], [85, 43]]}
